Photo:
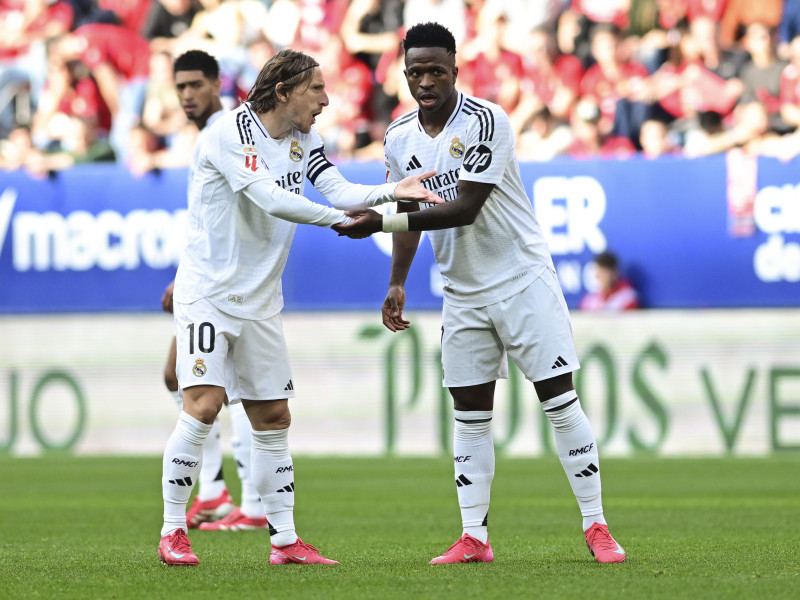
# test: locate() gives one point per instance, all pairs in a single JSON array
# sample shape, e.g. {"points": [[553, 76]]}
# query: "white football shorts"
{"points": [[249, 359], [532, 326]]}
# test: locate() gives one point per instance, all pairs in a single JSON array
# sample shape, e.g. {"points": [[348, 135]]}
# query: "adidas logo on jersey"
{"points": [[560, 362], [289, 387], [413, 163]]}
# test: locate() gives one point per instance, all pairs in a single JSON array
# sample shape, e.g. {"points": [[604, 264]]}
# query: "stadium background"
{"points": [[709, 367]]}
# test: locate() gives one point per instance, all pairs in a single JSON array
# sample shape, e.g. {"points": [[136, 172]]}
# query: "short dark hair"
{"points": [[197, 60], [289, 67], [607, 260], [430, 35]]}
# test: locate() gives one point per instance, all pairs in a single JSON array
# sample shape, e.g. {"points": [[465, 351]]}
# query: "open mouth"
{"points": [[427, 99]]}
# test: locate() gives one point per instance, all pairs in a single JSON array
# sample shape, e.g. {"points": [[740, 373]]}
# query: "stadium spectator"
{"points": [[497, 267], [70, 91], [487, 69], [698, 76], [452, 13], [655, 139], [550, 80], [620, 88], [119, 61], [370, 32], [131, 14], [81, 144], [25, 27], [740, 13], [162, 113], [16, 149], [609, 291], [588, 140], [543, 137], [345, 124], [521, 17], [790, 86], [283, 22], [166, 21], [761, 76], [723, 61]]}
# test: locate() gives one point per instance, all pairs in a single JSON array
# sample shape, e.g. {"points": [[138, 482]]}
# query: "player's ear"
{"points": [[280, 92], [455, 73]]}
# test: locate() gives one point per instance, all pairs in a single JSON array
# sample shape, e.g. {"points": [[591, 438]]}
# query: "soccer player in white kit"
{"points": [[196, 75], [501, 293], [245, 199]]}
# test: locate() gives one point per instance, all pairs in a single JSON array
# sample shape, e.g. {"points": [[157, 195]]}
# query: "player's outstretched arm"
{"points": [[345, 195], [270, 197], [461, 211]]}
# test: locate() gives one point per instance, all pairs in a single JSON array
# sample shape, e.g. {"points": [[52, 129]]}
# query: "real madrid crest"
{"points": [[456, 148], [199, 368], [296, 152]]}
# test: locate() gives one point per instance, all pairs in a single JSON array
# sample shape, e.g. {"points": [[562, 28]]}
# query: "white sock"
{"points": [[272, 471], [473, 458], [212, 482], [251, 503], [181, 467], [577, 450]]}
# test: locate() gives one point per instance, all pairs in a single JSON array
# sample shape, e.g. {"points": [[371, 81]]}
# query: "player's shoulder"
{"points": [[239, 126], [402, 125], [485, 115]]}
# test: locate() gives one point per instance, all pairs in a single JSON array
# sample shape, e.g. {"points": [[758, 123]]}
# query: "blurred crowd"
{"points": [[91, 80]]}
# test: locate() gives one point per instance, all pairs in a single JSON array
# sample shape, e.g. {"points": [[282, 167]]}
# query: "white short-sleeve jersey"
{"points": [[236, 251], [504, 250]]}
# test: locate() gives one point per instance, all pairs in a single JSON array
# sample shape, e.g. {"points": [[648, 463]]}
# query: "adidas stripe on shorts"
{"points": [[249, 358], [534, 326]]}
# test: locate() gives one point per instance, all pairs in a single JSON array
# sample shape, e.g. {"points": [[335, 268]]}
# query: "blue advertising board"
{"points": [[97, 239]]}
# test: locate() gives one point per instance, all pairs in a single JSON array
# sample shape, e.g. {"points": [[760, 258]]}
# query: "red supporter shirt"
{"points": [[790, 85], [567, 71], [621, 297], [86, 101], [58, 12], [605, 91], [484, 74], [127, 52]]}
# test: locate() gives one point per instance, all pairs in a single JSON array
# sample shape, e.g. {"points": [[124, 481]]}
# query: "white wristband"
{"points": [[398, 222]]}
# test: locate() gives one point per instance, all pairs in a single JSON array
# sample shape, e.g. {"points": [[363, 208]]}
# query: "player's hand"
{"points": [[411, 189], [392, 310], [166, 299], [364, 224]]}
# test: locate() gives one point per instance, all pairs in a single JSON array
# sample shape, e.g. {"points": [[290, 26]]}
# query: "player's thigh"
{"points": [[202, 335], [261, 359], [535, 328], [472, 352]]}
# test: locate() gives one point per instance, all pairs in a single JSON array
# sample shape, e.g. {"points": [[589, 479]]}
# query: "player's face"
{"points": [[306, 102], [431, 75], [197, 94]]}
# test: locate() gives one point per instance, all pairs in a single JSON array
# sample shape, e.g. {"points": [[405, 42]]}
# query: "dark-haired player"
{"points": [[501, 293]]}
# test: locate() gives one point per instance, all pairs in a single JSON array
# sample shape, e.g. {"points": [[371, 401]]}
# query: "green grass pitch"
{"points": [[88, 528]]}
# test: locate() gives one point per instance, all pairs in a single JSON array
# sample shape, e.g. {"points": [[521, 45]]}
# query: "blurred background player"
{"points": [[612, 292], [197, 80]]}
